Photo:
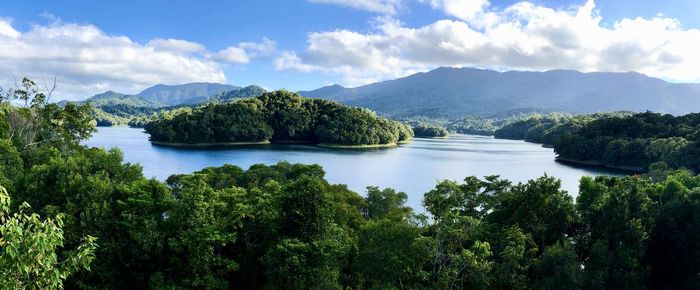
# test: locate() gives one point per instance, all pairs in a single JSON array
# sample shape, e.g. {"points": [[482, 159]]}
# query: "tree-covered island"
{"points": [[428, 131], [279, 117]]}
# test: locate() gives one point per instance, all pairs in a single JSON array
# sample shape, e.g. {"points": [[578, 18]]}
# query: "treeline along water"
{"points": [[412, 168]]}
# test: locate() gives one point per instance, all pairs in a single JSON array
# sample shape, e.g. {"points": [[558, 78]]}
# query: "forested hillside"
{"points": [[191, 93], [116, 109], [246, 92], [453, 93], [547, 129], [279, 116], [98, 223], [636, 141], [621, 140]]}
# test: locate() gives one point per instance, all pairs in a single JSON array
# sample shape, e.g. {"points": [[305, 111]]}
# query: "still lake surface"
{"points": [[412, 168]]}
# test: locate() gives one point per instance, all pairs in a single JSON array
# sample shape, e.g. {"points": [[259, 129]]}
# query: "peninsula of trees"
{"points": [[616, 140], [279, 116]]}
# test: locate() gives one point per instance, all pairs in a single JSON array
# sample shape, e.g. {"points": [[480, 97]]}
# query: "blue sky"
{"points": [[355, 42]]}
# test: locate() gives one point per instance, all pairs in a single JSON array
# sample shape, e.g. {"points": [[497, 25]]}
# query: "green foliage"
{"points": [[635, 141], [285, 226], [558, 268], [104, 119], [214, 124], [278, 116], [538, 207], [547, 129], [240, 93], [618, 215], [29, 250], [40, 121], [11, 165], [476, 125], [430, 131]]}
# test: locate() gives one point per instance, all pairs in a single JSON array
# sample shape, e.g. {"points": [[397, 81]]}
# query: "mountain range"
{"points": [[160, 96], [456, 92]]}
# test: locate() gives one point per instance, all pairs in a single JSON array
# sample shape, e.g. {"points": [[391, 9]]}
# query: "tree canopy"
{"points": [[279, 116], [285, 226]]}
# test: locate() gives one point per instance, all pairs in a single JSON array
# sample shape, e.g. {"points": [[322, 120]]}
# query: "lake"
{"points": [[412, 168]]}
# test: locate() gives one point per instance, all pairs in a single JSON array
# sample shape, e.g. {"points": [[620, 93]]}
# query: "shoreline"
{"points": [[341, 146], [433, 137], [205, 145], [595, 163], [249, 143], [292, 142]]}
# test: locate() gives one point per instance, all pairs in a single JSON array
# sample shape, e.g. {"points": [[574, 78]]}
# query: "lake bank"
{"points": [[209, 145], [369, 146], [251, 143], [413, 168], [599, 164]]}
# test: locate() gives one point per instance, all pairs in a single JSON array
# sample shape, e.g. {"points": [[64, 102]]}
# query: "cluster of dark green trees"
{"points": [[429, 131], [625, 140], [482, 125], [637, 141], [110, 115], [547, 129], [131, 111], [279, 116]]}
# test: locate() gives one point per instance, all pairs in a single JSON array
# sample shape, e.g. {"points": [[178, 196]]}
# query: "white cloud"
{"points": [[232, 55], [389, 7], [175, 45], [463, 9], [245, 51], [86, 60], [264, 48], [523, 36], [6, 28]]}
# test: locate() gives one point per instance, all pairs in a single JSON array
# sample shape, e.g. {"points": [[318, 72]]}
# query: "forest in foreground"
{"points": [[80, 218]]}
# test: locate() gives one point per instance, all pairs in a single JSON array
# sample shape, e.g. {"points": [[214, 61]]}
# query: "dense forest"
{"points": [[547, 129], [279, 116], [80, 218], [636, 141], [620, 140], [115, 109], [428, 131], [473, 124]]}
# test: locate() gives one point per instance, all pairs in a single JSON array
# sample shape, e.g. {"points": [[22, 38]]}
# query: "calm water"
{"points": [[413, 168]]}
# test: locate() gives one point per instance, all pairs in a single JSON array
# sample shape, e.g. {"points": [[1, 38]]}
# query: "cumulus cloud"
{"points": [[86, 60], [523, 36], [175, 45], [468, 10], [388, 7], [232, 54], [6, 28], [244, 51], [263, 48]]}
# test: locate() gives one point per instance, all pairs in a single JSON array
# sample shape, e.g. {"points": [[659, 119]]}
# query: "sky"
{"points": [[126, 46]]}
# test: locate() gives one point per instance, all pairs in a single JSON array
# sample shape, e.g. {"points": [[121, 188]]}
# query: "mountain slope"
{"points": [[192, 93], [111, 98], [456, 92], [246, 92]]}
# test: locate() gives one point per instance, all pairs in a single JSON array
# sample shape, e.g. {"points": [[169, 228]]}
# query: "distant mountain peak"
{"points": [[455, 92], [190, 93]]}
